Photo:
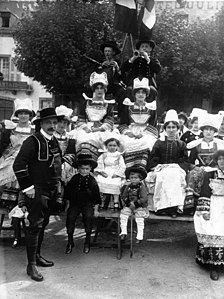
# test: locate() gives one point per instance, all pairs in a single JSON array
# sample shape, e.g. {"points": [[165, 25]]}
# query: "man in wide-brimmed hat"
{"points": [[38, 170], [142, 64], [111, 66]]}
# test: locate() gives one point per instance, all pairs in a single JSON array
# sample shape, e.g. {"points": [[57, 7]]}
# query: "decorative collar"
{"points": [[47, 136]]}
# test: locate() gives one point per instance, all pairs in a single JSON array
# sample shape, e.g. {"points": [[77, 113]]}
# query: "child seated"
{"points": [[134, 199], [83, 197], [110, 170]]}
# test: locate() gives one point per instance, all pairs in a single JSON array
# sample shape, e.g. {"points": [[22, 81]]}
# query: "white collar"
{"points": [[47, 136]]}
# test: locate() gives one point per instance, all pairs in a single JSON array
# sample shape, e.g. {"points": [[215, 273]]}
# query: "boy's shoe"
{"points": [[138, 241], [15, 243], [123, 237], [214, 275], [69, 248], [86, 248]]}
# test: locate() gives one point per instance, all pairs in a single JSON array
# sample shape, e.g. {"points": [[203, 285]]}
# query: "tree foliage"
{"points": [[191, 56], [50, 44]]}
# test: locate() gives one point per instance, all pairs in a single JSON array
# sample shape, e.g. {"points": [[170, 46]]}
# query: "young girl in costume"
{"points": [[111, 170]]}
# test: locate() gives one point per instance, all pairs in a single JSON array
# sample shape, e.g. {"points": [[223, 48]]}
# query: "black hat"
{"points": [[85, 159], [47, 113], [150, 42], [111, 44], [138, 169], [183, 115]]}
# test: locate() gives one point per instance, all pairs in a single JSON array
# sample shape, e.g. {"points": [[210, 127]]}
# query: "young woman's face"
{"points": [[112, 146], [140, 96], [99, 91], [24, 117], [171, 130], [195, 126], [208, 133], [220, 162], [134, 178], [84, 170], [61, 126]]}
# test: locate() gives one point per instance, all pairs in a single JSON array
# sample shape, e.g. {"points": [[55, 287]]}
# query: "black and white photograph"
{"points": [[111, 149]]}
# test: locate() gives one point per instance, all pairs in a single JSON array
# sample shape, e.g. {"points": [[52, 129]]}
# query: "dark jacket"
{"points": [[140, 68], [82, 190], [38, 161], [165, 152]]}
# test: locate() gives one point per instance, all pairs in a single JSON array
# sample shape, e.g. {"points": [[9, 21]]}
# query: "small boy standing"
{"points": [[83, 196], [134, 199]]}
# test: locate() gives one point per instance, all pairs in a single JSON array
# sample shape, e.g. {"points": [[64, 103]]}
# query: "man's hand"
{"points": [[206, 216], [130, 134], [132, 206], [115, 65], [24, 209], [104, 174], [87, 130], [30, 193], [146, 56]]}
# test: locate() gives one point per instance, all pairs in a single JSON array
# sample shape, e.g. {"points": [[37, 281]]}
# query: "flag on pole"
{"points": [[125, 19], [147, 19]]}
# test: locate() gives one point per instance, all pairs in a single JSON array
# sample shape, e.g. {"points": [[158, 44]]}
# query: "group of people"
{"points": [[175, 168]]}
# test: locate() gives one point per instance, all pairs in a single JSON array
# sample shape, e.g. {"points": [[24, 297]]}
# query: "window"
{"points": [[4, 67], [5, 19], [46, 102]]}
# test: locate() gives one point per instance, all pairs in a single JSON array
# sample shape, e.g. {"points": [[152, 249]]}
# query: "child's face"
{"points": [[134, 178], [84, 170], [112, 146]]}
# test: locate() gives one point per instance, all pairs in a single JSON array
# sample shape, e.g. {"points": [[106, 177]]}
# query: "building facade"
{"points": [[14, 84]]}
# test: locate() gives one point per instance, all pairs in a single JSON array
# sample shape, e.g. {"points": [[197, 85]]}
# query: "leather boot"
{"points": [[34, 273], [42, 262], [86, 247], [69, 248]]}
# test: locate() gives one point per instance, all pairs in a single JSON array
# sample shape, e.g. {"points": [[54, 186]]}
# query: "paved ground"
{"points": [[162, 266]]}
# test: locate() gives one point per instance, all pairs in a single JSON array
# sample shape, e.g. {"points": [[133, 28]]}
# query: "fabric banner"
{"points": [[125, 19], [147, 19]]}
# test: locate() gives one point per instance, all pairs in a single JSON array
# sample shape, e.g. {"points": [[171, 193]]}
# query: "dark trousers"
{"points": [[16, 224], [39, 208], [87, 215]]}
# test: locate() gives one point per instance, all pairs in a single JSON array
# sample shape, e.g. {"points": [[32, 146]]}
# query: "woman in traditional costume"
{"points": [[168, 165], [13, 136], [209, 218], [201, 152], [137, 125], [95, 118]]}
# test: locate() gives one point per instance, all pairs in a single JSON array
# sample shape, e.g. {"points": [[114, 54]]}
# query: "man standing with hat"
{"points": [[116, 88], [38, 170], [142, 64]]}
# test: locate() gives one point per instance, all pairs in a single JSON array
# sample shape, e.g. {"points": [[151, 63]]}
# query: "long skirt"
{"points": [[167, 183], [210, 233]]}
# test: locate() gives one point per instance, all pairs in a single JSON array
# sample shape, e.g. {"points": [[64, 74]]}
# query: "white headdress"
{"points": [[141, 84], [171, 115], [23, 104], [98, 78], [212, 120], [63, 110]]}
